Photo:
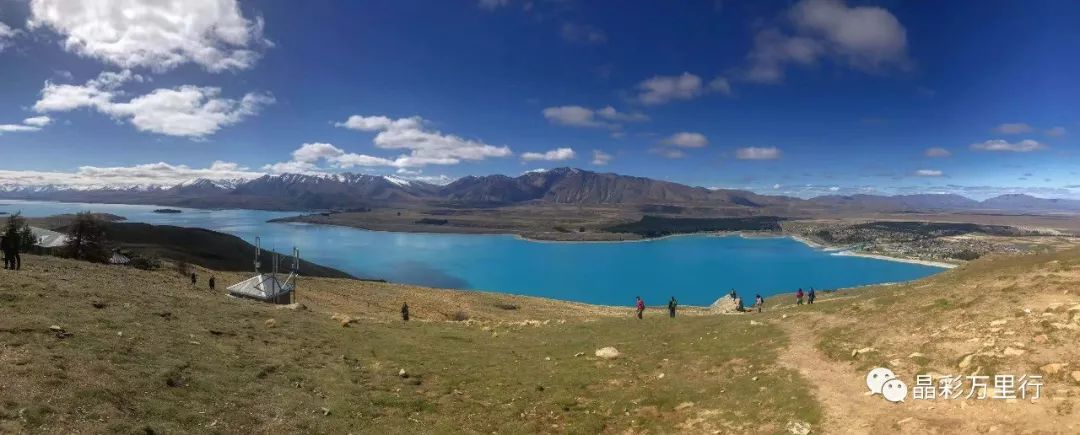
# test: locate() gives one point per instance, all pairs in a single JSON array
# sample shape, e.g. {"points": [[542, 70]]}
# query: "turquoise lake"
{"points": [[696, 269]]}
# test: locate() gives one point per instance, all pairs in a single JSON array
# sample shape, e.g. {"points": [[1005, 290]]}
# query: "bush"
{"points": [[966, 255], [182, 268], [460, 316], [506, 306], [144, 263]]}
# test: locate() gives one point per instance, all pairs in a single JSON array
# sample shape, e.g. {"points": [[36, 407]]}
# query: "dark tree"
{"points": [[86, 239], [17, 229]]}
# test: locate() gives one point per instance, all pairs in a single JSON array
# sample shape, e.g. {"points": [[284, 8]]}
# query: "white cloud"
{"points": [[150, 174], [6, 35], [1056, 132], [937, 152], [867, 38], [1023, 146], [609, 113], [188, 111], [16, 128], [159, 35], [28, 124], [663, 89], [292, 167], [928, 173], [554, 155], [309, 156], [774, 50], [757, 153], [601, 158], [1013, 128], [425, 146], [582, 34], [671, 153], [578, 116], [38, 121], [687, 140]]}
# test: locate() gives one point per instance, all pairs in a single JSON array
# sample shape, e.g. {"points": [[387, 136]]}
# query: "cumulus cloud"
{"points": [[687, 139], [1023, 146], [424, 146], [664, 89], [937, 152], [1013, 128], [582, 34], [310, 157], [1056, 132], [159, 35], [867, 38], [578, 116], [600, 158], [151, 174], [928, 173], [187, 111], [758, 153], [554, 155]]}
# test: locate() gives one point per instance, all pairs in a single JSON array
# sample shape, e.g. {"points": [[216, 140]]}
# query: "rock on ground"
{"points": [[608, 353]]}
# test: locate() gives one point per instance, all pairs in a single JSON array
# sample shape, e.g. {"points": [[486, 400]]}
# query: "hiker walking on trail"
{"points": [[640, 307], [194, 279], [671, 306], [405, 311], [211, 281], [799, 296], [811, 296], [758, 302]]}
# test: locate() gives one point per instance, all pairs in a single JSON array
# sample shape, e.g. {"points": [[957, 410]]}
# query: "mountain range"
{"points": [[555, 186]]}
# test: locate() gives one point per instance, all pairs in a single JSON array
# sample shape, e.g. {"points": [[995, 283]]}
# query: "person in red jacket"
{"points": [[798, 296], [640, 307]]}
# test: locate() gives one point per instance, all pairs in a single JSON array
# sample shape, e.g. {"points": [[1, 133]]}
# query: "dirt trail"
{"points": [[848, 409]]}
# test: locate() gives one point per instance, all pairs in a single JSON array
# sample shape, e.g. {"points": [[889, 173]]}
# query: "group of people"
{"points": [[9, 244], [759, 302], [195, 281], [810, 296]]}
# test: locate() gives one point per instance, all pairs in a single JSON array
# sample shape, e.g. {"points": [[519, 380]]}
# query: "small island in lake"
{"points": [[167, 210]]}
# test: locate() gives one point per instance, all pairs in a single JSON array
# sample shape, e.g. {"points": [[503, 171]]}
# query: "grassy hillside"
{"points": [[209, 249], [140, 350]]}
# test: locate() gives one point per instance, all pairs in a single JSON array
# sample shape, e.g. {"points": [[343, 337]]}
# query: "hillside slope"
{"points": [[146, 350]]}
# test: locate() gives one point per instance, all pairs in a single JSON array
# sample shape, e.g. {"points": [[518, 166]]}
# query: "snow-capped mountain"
{"points": [[559, 185]]}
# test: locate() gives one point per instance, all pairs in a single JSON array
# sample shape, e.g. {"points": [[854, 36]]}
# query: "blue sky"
{"points": [[783, 97]]}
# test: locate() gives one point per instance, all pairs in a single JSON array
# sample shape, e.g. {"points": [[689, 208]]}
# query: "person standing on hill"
{"points": [[758, 301], [640, 307], [10, 246], [811, 296], [4, 249], [671, 306], [733, 295], [211, 282], [798, 296], [194, 279], [405, 312]]}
